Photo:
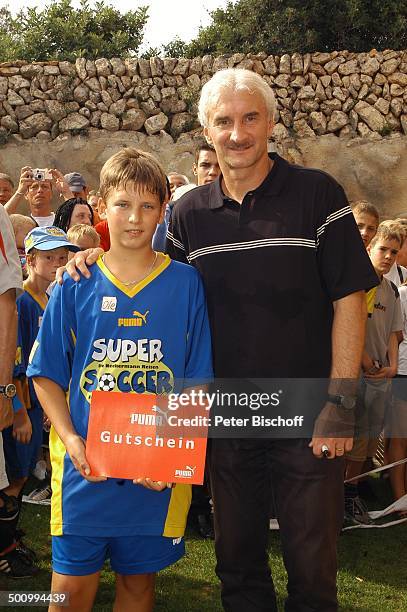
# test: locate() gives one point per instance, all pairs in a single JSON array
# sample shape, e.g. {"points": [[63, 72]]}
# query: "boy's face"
{"points": [[367, 225], [46, 263], [383, 255], [132, 216]]}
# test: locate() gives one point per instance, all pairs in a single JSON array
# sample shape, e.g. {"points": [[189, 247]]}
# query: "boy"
{"points": [[379, 364], [139, 528], [46, 249], [83, 236], [367, 219], [21, 226]]}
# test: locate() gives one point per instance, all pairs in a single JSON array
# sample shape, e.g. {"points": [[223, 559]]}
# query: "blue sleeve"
{"points": [[198, 367], [53, 351]]}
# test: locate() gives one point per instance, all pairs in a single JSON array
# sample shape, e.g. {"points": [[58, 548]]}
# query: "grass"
{"points": [[371, 578]]}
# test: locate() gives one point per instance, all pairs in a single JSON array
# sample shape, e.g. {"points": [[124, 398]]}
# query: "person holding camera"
{"points": [[36, 187]]}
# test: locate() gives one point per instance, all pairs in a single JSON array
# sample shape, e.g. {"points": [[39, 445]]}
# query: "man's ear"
{"points": [[270, 128], [195, 170], [207, 136]]}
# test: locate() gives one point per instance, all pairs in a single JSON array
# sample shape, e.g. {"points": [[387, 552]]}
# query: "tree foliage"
{"points": [[62, 32], [287, 26]]}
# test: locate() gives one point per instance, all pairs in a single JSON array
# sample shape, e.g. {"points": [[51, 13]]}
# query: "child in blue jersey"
{"points": [[46, 249], [140, 320]]}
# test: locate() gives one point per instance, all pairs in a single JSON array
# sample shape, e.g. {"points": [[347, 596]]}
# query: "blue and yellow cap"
{"points": [[46, 239]]}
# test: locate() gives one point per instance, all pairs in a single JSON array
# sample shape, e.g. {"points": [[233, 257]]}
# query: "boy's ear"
{"points": [[162, 212], [101, 206]]}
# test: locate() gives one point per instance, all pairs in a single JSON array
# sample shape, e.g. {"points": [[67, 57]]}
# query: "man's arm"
{"points": [[25, 181], [348, 336], [8, 342], [53, 401]]}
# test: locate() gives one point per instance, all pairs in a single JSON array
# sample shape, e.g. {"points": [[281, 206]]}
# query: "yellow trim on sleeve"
{"points": [[178, 508], [57, 452], [131, 292]]}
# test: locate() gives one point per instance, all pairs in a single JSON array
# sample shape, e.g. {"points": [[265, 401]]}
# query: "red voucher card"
{"points": [[133, 436]]}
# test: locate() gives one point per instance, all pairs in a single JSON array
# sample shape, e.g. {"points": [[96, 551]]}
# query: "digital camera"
{"points": [[41, 174]]}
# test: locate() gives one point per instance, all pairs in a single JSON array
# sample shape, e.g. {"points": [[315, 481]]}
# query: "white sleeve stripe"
{"points": [[343, 212], [174, 241]]}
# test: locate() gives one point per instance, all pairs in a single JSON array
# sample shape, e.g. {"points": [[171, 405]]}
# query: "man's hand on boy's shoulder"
{"points": [[79, 263], [76, 449]]}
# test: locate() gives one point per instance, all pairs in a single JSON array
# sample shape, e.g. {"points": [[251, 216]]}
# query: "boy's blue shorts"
{"points": [[22, 458], [140, 554]]}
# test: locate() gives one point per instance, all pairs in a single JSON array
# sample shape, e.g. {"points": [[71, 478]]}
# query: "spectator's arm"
{"points": [[8, 340], [25, 181], [393, 353]]}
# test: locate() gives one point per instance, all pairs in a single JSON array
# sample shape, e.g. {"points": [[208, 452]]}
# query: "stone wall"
{"points": [[340, 93]]}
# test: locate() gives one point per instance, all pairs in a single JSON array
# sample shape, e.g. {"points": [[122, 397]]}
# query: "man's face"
{"points": [[239, 126], [6, 191], [80, 194], [207, 168], [383, 255], [367, 225], [39, 197], [176, 180]]}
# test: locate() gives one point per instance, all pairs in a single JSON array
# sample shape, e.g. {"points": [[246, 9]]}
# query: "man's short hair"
{"points": [[236, 79], [202, 145], [130, 165], [362, 206], [389, 230], [6, 177], [22, 222], [82, 230]]}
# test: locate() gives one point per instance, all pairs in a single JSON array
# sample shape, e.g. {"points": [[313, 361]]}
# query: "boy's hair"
{"points": [[6, 177], [132, 165], [21, 222], [81, 230], [202, 145], [388, 230], [362, 206]]}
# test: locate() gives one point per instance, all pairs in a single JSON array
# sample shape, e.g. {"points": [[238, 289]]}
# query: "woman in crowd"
{"points": [[72, 212]]}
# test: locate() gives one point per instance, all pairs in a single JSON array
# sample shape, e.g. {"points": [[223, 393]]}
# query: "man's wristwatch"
{"points": [[344, 401], [8, 390]]}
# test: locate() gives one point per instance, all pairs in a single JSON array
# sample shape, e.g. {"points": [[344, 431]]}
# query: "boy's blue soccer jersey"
{"points": [[98, 334], [21, 458], [30, 308]]}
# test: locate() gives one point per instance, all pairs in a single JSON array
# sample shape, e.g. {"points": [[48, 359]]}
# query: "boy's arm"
{"points": [[22, 428], [393, 356], [53, 400]]}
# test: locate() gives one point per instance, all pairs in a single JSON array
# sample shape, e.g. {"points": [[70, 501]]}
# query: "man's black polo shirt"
{"points": [[272, 267]]}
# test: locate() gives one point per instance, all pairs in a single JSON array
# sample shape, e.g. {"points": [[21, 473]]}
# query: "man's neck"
{"points": [[236, 182], [41, 212]]}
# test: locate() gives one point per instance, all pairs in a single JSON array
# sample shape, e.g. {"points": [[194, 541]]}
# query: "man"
{"points": [[6, 188], [77, 185], [206, 166], [284, 270], [37, 193]]}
